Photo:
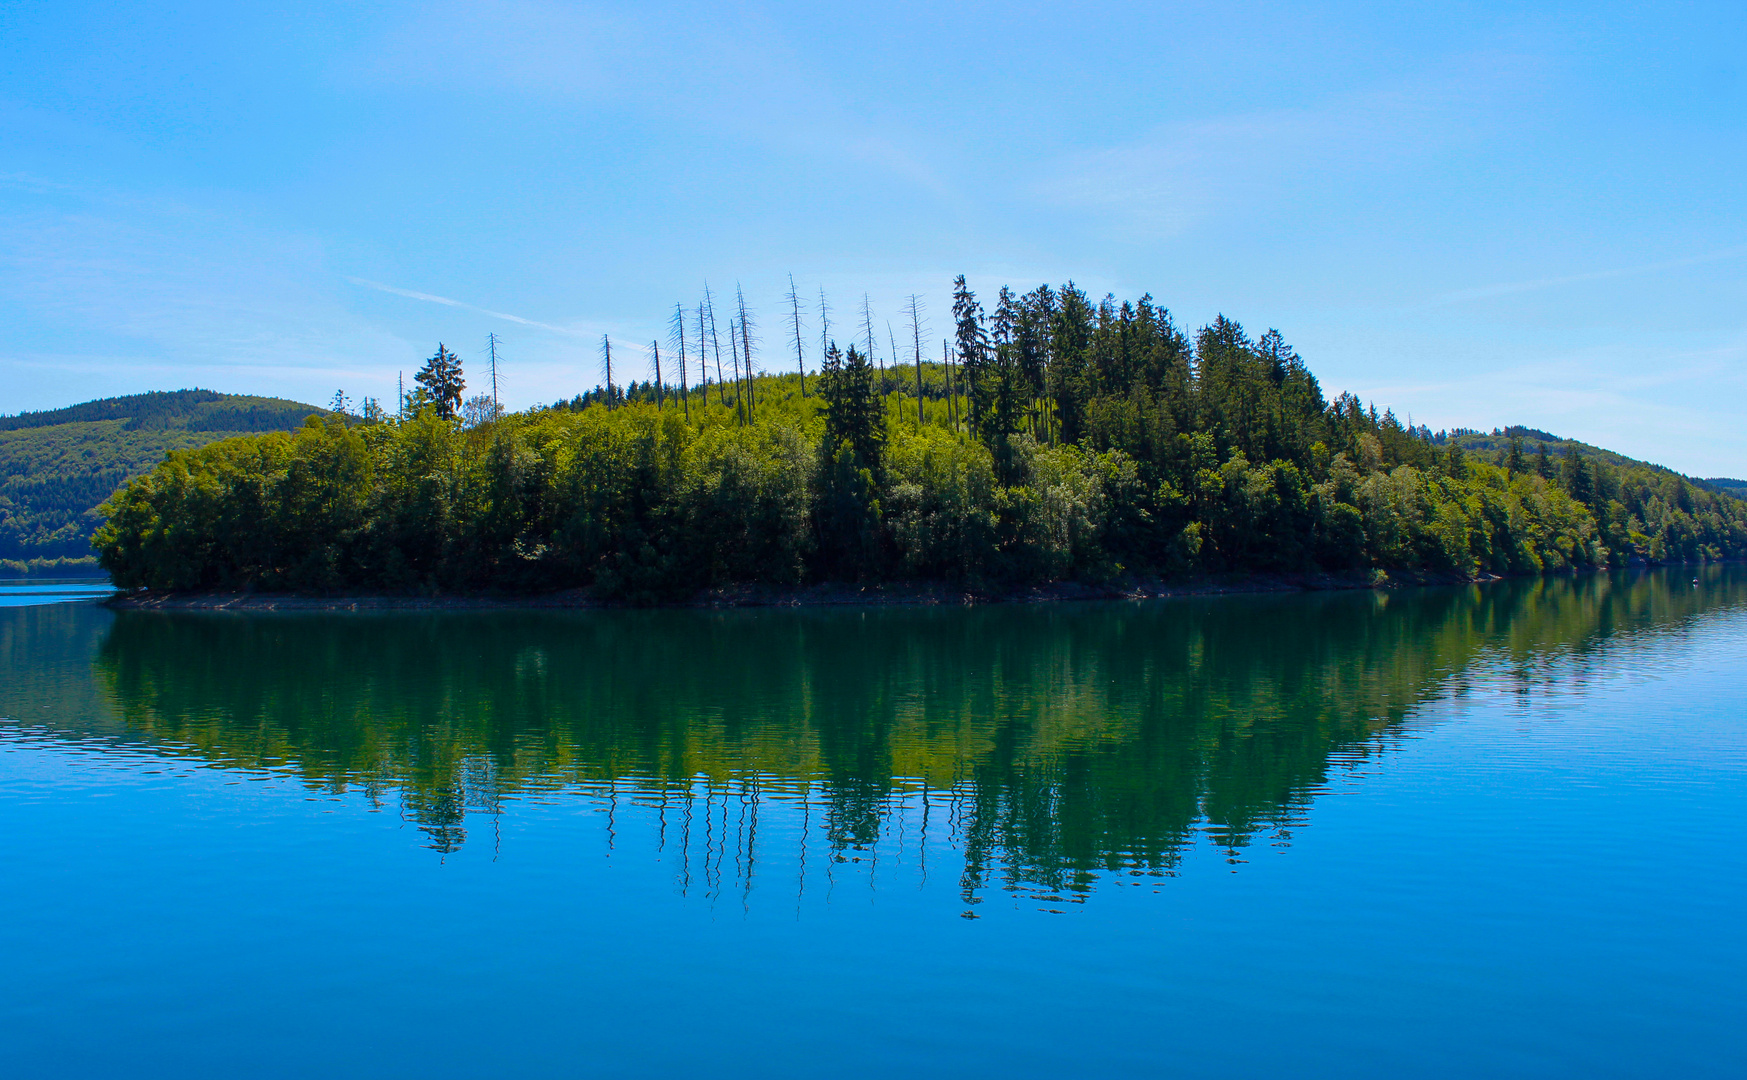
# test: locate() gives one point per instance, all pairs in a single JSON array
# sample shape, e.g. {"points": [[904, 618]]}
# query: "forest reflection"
{"points": [[1038, 747]]}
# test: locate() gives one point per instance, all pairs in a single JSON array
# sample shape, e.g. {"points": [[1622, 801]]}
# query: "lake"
{"points": [[1488, 830]]}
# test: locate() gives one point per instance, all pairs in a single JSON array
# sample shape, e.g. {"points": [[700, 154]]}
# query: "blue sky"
{"points": [[1477, 214]]}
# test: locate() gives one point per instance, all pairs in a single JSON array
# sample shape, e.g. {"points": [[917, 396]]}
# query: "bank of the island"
{"points": [[823, 594], [1065, 447]]}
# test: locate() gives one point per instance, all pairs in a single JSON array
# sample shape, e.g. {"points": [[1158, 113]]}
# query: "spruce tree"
{"points": [[441, 378], [973, 355], [1514, 462], [854, 416]]}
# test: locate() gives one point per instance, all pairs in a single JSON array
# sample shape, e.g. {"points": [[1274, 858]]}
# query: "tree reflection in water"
{"points": [[1039, 748]]}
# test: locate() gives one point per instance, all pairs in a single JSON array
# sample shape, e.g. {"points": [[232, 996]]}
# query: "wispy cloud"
{"points": [[1508, 288], [1189, 170], [431, 298]]}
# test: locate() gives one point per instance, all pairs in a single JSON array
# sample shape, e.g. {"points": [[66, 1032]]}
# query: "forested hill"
{"points": [[1058, 437], [57, 466]]}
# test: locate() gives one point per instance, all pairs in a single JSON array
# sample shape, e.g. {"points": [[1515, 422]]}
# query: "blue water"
{"points": [[28, 592], [1453, 834]]}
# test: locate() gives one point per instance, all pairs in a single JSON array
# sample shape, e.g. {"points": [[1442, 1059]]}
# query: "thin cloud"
{"points": [[1509, 288], [430, 298]]}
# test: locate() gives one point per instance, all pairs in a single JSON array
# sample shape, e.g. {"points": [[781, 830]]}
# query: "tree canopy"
{"points": [[1060, 438]]}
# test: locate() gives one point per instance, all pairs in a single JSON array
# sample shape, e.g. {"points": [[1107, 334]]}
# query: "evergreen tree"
{"points": [[854, 414], [441, 378], [1579, 482], [973, 355], [1070, 376], [1007, 389]]}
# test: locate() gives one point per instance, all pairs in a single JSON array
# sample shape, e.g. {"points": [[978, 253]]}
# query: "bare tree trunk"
{"points": [[716, 344], [916, 338], [734, 357], [607, 352], [679, 328], [951, 386], [800, 359], [824, 326], [657, 347], [703, 363], [495, 407], [867, 334], [897, 372], [746, 347]]}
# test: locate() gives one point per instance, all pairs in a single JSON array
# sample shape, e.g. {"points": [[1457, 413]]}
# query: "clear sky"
{"points": [[1479, 214]]}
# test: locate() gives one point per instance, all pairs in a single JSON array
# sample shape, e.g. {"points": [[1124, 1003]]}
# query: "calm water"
{"points": [[1449, 832]]}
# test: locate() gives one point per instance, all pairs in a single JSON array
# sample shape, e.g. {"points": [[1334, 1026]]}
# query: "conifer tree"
{"points": [[1579, 481], [441, 378], [1070, 373], [973, 355], [853, 415]]}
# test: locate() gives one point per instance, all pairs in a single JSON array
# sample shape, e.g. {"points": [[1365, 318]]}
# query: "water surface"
{"points": [[1437, 832]]}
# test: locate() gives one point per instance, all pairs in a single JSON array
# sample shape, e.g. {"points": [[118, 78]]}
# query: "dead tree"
{"points": [[607, 355], [746, 347], [916, 330], [657, 347], [491, 340], [709, 306], [951, 389], [679, 332], [868, 336], [800, 360], [897, 372], [734, 357], [824, 324]]}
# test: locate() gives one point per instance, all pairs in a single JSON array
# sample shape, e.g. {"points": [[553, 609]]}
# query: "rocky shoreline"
{"points": [[821, 595]]}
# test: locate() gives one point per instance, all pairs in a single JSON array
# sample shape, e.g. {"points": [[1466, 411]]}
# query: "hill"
{"points": [[57, 466], [1558, 448], [1064, 440]]}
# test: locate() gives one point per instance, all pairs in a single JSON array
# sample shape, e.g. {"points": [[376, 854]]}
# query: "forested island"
{"points": [[1058, 438]]}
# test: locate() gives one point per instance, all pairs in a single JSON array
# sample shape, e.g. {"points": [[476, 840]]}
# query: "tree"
{"points": [[1069, 373], [795, 315], [915, 313], [853, 413], [441, 378], [1007, 387], [607, 363], [1579, 481], [973, 354]]}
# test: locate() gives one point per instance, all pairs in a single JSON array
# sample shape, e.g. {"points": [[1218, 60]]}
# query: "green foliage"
{"points": [[1098, 443], [441, 380], [57, 467]]}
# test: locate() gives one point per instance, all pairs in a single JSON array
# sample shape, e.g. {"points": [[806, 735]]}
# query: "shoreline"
{"points": [[890, 594]]}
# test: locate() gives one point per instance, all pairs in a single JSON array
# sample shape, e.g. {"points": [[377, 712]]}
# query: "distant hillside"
{"points": [[1533, 438], [57, 466], [1728, 485]]}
